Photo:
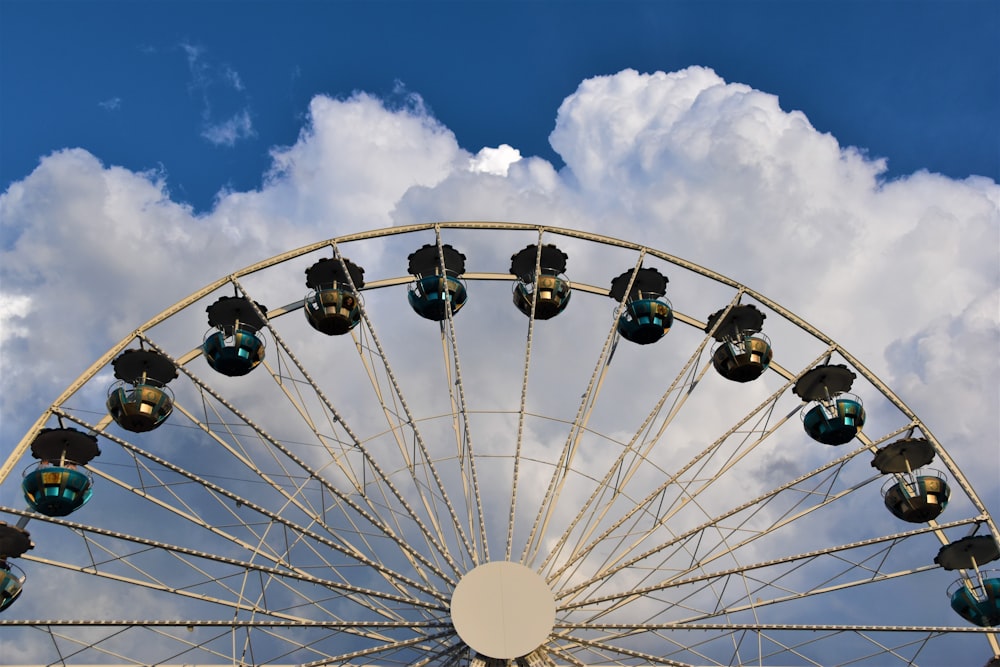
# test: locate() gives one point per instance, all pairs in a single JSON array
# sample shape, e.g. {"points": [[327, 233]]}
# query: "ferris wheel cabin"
{"points": [[541, 286], [914, 494], [14, 541], [333, 306], [234, 346], [647, 315], [833, 417], [56, 486], [140, 400], [975, 596], [742, 352], [438, 286]]}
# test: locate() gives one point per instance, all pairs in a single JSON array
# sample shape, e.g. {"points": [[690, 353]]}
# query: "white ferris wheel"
{"points": [[488, 444]]}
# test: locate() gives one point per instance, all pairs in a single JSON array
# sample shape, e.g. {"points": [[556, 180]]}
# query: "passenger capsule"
{"points": [[58, 485], [438, 286], [647, 315], [833, 417], [14, 542], [234, 345], [914, 493], [976, 595], [742, 352], [333, 305], [541, 285], [140, 400]]}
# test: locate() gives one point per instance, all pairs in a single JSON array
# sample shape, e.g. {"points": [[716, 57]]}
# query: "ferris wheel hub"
{"points": [[503, 610]]}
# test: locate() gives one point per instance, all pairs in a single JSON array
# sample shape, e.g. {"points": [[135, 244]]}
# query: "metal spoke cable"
{"points": [[322, 396], [641, 505], [595, 518], [340, 546], [590, 395], [465, 445], [522, 407], [697, 530], [398, 394], [341, 496]]}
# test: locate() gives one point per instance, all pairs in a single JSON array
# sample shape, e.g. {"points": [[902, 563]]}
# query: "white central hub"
{"points": [[503, 610]]}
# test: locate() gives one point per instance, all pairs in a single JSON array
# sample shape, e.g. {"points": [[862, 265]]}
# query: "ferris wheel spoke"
{"points": [[771, 574], [398, 423], [689, 643], [81, 645], [724, 546], [305, 535], [785, 648], [448, 654], [612, 650], [762, 425], [821, 494], [619, 475], [684, 493], [344, 502], [465, 452], [216, 640], [376, 650], [189, 646], [681, 387], [652, 504], [94, 570], [398, 426], [468, 472], [579, 425], [398, 396], [772, 639], [621, 629], [227, 568], [563, 654], [522, 410], [366, 505]]}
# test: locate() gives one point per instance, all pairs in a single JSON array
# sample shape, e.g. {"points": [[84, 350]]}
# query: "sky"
{"points": [[841, 158], [204, 90]]}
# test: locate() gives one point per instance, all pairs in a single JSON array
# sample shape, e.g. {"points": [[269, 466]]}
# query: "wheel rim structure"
{"points": [[322, 508]]}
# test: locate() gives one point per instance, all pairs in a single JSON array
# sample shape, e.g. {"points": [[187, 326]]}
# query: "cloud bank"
{"points": [[905, 274]]}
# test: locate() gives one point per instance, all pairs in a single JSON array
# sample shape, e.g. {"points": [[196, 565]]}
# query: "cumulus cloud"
{"points": [[13, 308], [712, 171], [495, 160], [903, 273]]}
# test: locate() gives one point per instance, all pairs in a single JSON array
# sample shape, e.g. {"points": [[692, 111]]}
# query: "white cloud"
{"points": [[229, 131], [903, 273], [381, 155], [206, 80], [111, 104], [495, 161], [233, 77], [196, 64], [714, 172], [13, 309]]}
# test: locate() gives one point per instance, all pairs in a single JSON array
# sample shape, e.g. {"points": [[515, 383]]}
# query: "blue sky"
{"points": [[141, 84], [841, 158]]}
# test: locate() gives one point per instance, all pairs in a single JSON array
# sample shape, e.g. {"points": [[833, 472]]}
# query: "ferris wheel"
{"points": [[488, 444]]}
